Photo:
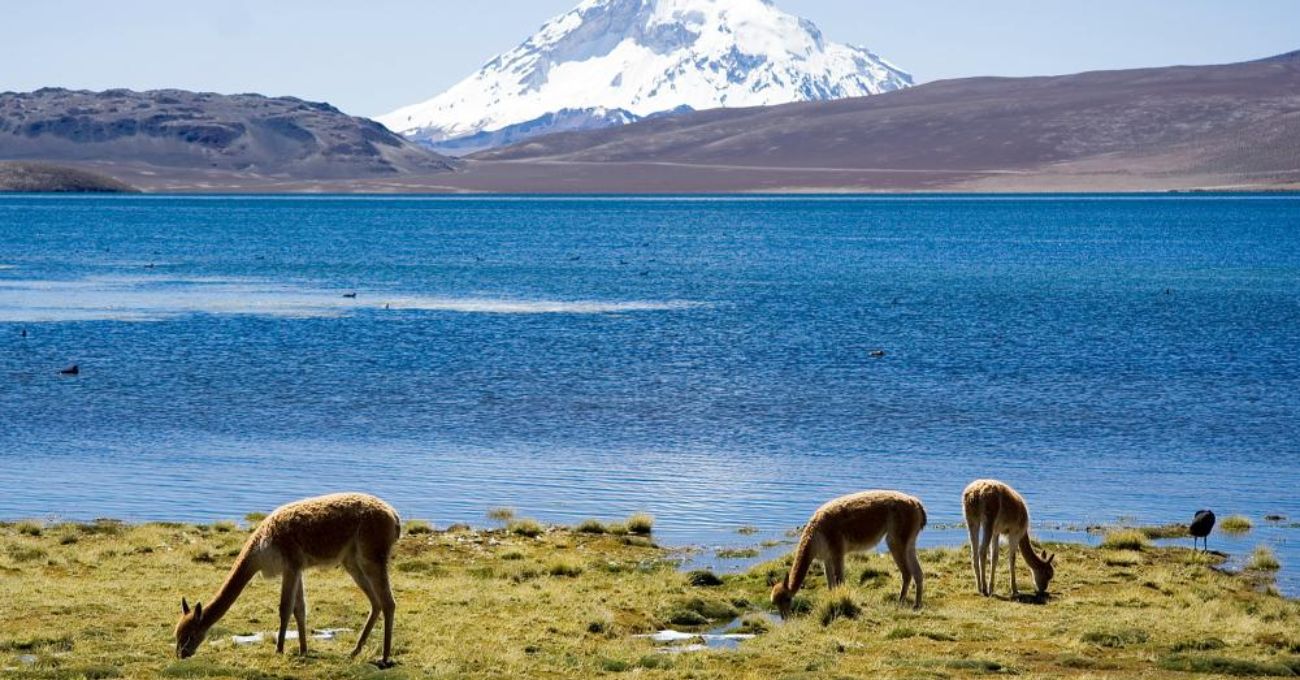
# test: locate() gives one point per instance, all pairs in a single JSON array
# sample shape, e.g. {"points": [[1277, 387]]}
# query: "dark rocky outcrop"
{"points": [[44, 177], [274, 137]]}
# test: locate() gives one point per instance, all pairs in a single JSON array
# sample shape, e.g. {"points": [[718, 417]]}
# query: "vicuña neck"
{"points": [[802, 562], [1027, 551], [236, 581]]}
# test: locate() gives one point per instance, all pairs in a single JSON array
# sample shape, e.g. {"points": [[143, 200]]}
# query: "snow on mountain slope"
{"points": [[615, 61]]}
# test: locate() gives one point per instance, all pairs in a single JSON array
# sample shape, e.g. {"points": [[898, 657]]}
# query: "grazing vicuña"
{"points": [[349, 529], [856, 523]]}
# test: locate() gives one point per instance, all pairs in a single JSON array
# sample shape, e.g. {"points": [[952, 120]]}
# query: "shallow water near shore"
{"points": [[716, 362]]}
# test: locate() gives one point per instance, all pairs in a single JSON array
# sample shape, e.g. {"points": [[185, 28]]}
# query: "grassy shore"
{"points": [[100, 600]]}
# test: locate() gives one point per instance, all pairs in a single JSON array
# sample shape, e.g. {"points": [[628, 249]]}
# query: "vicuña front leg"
{"points": [[288, 593], [1011, 565], [993, 565]]}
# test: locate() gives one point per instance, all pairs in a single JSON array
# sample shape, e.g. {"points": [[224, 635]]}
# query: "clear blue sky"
{"points": [[370, 57]]}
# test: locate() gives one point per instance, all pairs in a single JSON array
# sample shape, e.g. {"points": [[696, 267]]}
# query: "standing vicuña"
{"points": [[351, 529], [994, 509], [856, 523]]}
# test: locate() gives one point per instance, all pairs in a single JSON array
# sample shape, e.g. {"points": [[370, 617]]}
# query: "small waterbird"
{"points": [[71, 370], [1202, 525]]}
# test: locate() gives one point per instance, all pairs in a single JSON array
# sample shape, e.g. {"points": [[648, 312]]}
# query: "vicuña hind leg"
{"points": [[288, 593], [898, 550], [987, 536], [974, 528], [918, 575], [300, 616], [364, 584], [377, 574], [834, 565]]}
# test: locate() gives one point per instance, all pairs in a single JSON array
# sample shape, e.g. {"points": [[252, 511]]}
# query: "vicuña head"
{"points": [[349, 529], [856, 523], [783, 597], [1045, 571], [190, 630]]}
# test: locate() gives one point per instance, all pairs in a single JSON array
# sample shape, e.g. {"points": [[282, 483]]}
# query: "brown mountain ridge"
{"points": [[1235, 125]]}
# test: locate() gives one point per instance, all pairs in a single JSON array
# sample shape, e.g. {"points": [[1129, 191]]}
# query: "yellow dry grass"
{"points": [[100, 601]]}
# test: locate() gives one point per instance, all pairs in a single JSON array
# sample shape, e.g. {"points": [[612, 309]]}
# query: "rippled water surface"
{"points": [[716, 362]]}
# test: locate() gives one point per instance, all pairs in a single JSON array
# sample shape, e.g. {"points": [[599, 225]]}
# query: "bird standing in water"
{"points": [[1202, 525]]}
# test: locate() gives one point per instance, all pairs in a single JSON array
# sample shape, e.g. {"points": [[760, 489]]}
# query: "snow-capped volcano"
{"points": [[609, 62]]}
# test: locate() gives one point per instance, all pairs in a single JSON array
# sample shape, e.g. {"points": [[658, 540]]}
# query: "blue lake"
{"points": [[713, 361]]}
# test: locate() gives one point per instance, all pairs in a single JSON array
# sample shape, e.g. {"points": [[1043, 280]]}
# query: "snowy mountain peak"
{"points": [[609, 62]]}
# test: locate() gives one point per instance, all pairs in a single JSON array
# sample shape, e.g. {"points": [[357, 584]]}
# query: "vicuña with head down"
{"points": [[353, 530], [856, 523], [994, 509]]}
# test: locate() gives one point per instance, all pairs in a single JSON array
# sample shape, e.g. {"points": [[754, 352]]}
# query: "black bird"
{"points": [[71, 370], [1200, 528], [349, 295]]}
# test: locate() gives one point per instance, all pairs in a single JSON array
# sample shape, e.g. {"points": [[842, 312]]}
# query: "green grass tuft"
{"points": [[641, 524], [736, 553], [564, 568], [254, 518], [1164, 531], [525, 527], [1116, 639], [25, 553], [978, 665], [838, 607], [1125, 539], [592, 526], [1263, 559], [416, 527], [1202, 645], [1222, 665], [703, 578], [501, 514], [1236, 524], [62, 643]]}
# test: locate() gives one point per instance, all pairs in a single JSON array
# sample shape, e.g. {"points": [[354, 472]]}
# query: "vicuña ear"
{"points": [[185, 606], [1051, 559], [198, 610]]}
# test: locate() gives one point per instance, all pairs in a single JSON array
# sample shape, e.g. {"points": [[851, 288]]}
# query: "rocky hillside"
{"points": [[43, 177], [275, 137]]}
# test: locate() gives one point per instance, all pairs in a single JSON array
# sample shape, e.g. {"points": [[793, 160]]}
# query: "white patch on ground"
{"points": [[257, 638], [697, 642]]}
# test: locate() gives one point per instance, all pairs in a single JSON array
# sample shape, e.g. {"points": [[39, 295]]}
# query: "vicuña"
{"points": [[856, 523], [994, 509], [350, 529]]}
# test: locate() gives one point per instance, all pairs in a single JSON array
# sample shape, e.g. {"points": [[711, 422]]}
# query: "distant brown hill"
{"points": [[1230, 126], [175, 133], [43, 177]]}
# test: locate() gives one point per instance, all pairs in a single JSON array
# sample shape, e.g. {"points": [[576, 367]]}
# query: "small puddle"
{"points": [[722, 637], [257, 638]]}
